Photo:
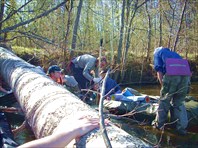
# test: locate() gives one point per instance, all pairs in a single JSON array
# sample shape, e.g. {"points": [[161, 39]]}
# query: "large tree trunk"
{"points": [[45, 103]]}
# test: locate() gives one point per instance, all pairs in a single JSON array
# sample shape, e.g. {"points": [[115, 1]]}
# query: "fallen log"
{"points": [[45, 103]]}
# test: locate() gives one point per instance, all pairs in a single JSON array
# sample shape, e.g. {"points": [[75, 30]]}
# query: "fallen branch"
{"points": [[101, 115]]}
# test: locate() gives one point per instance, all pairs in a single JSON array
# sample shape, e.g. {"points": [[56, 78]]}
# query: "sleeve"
{"points": [[158, 63], [70, 81], [88, 67]]}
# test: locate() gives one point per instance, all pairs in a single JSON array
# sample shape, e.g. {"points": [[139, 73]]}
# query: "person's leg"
{"points": [[162, 113], [179, 111], [78, 75], [164, 102]]}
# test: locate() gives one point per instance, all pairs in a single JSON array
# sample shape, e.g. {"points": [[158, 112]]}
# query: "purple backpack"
{"points": [[177, 67]]}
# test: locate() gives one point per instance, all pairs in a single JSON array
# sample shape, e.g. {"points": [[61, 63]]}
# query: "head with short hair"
{"points": [[103, 72], [103, 61], [157, 49], [160, 48]]}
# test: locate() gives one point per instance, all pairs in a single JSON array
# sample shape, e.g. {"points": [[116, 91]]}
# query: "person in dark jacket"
{"points": [[174, 87]]}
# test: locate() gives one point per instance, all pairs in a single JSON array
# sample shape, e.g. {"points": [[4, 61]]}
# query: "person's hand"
{"points": [[67, 130], [87, 124], [96, 80], [9, 92], [80, 125], [108, 98]]}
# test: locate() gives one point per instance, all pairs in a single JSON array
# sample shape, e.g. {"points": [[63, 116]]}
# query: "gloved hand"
{"points": [[96, 80], [9, 92]]}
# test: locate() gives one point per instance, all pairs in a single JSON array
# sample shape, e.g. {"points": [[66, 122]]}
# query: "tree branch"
{"points": [[8, 29], [102, 124], [15, 11]]}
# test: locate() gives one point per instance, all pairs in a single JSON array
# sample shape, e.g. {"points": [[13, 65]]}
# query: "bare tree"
{"points": [[121, 33], [76, 24], [149, 33], [171, 24], [160, 23], [180, 24], [1, 12], [69, 7], [128, 37]]}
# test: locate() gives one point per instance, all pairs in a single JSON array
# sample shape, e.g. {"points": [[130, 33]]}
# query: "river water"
{"points": [[167, 138], [154, 90]]}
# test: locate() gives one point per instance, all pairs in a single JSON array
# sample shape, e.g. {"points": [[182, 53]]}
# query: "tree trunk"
{"points": [[70, 8], [2, 4], [121, 33], [76, 24], [45, 103], [180, 24], [128, 36], [160, 10], [170, 23], [149, 33]]}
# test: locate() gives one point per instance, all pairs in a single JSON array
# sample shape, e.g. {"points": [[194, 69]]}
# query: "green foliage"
{"points": [[22, 50]]}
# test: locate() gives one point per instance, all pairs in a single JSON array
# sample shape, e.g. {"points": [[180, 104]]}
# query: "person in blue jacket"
{"points": [[174, 88], [111, 86]]}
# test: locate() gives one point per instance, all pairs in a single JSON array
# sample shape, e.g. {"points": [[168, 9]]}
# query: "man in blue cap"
{"points": [[54, 72], [57, 74]]}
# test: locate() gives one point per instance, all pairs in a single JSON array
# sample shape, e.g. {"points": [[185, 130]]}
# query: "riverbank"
{"points": [[136, 70]]}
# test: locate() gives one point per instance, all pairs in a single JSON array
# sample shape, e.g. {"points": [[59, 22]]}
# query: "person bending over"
{"points": [[82, 66], [174, 87]]}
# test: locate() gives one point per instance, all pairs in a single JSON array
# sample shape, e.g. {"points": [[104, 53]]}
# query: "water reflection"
{"points": [[167, 138], [155, 89]]}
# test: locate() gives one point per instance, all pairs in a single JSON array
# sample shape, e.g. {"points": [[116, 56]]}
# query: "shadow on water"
{"points": [[166, 138]]}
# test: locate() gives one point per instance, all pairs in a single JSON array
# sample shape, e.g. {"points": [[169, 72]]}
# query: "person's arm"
{"points": [[87, 69], [55, 140], [160, 77], [65, 133]]}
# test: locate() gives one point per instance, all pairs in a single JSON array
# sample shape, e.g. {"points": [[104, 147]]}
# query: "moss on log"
{"points": [[45, 103]]}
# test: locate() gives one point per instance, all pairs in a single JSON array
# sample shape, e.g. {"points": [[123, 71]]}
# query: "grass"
{"points": [[23, 50]]}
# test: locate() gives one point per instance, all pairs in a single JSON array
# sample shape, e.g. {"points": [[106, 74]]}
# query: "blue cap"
{"points": [[53, 68]]}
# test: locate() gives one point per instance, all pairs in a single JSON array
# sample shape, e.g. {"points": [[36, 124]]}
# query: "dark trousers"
{"points": [[78, 75]]}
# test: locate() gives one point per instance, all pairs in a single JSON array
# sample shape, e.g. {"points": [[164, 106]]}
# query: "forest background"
{"points": [[46, 32]]}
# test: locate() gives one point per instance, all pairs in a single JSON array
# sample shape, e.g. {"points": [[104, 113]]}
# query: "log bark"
{"points": [[45, 103]]}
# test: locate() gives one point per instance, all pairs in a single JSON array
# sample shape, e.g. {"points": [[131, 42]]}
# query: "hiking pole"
{"points": [[100, 54], [99, 69]]}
